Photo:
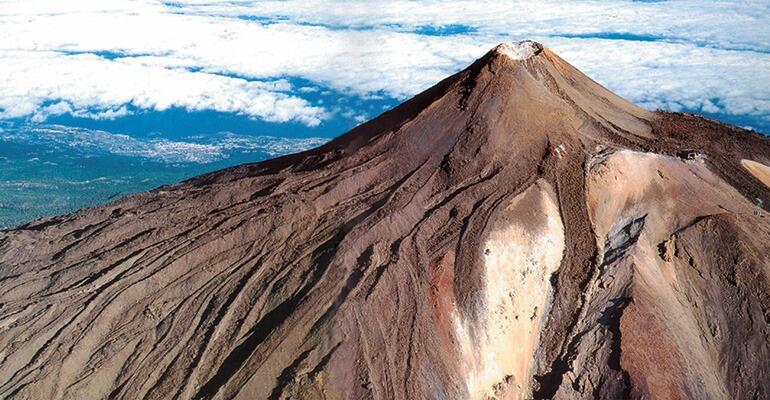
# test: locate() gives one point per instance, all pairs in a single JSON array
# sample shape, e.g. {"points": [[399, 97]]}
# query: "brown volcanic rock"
{"points": [[516, 231]]}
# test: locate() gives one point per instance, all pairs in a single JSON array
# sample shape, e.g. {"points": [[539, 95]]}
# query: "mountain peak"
{"points": [[522, 50]]}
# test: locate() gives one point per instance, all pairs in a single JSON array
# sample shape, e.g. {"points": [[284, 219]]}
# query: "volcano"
{"points": [[515, 231]]}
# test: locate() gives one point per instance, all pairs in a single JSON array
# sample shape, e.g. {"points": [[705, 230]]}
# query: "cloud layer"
{"points": [[103, 59]]}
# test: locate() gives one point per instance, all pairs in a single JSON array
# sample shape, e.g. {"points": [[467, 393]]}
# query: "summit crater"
{"points": [[519, 50]]}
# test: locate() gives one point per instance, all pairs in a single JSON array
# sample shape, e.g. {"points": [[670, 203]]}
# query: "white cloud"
{"points": [[714, 23], [79, 84], [707, 55], [676, 76]]}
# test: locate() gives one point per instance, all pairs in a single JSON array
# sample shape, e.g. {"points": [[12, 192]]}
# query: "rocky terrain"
{"points": [[516, 231]]}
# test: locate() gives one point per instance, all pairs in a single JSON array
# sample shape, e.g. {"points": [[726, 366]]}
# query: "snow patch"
{"points": [[521, 50]]}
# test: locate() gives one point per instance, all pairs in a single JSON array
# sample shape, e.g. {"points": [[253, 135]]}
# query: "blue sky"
{"points": [[167, 81]]}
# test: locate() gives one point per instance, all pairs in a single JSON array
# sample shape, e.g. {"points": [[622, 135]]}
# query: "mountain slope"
{"points": [[515, 231]]}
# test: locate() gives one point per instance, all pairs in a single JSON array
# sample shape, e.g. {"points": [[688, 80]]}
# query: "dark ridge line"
{"points": [[116, 392], [93, 277], [109, 284], [552, 380], [632, 230], [171, 315], [40, 352], [267, 190], [611, 319], [3, 279], [178, 248], [77, 235], [32, 226], [550, 78], [353, 280], [287, 376], [126, 375], [408, 372], [99, 254], [458, 254], [548, 383], [384, 266], [395, 246], [323, 362], [467, 85], [211, 327], [321, 182], [375, 208], [322, 258], [104, 271]]}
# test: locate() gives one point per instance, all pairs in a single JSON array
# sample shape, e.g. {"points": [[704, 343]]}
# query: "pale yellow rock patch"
{"points": [[759, 170], [519, 259]]}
